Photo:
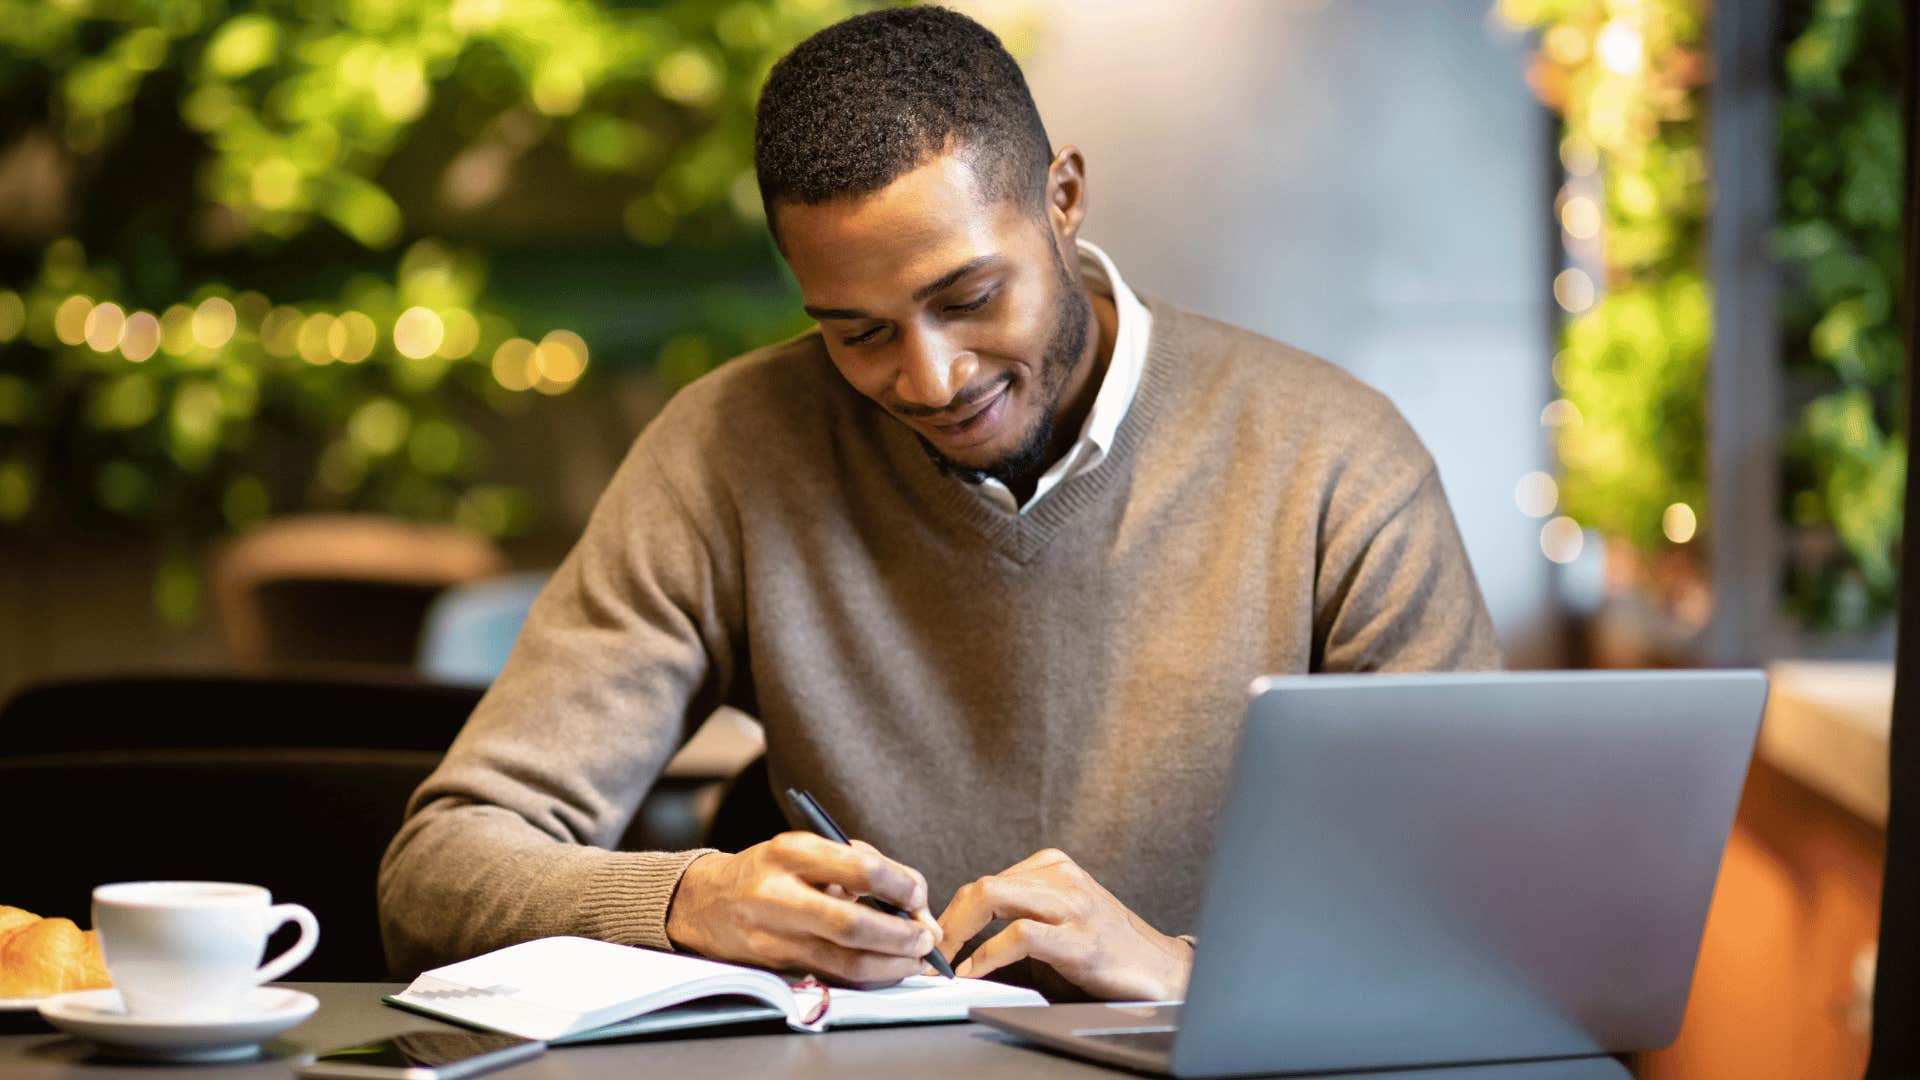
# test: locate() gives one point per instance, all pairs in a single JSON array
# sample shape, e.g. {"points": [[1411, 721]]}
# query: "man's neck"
{"points": [[1082, 387]]}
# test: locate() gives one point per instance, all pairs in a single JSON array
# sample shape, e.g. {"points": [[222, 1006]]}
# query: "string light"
{"points": [[313, 339], [418, 333], [103, 327], [559, 360], [462, 334], [352, 337], [513, 364], [213, 322], [1679, 523], [13, 314], [280, 331], [142, 337], [176, 330], [70, 319]]}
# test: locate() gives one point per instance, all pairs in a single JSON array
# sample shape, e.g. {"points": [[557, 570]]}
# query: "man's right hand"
{"points": [[788, 904]]}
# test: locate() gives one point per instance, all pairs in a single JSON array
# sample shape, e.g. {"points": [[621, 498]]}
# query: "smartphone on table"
{"points": [[422, 1055]]}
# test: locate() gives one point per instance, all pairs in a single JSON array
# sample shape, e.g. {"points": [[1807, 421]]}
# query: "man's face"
{"points": [[955, 313]]}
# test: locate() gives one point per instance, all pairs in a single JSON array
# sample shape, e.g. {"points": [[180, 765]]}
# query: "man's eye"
{"points": [[862, 338], [972, 305]]}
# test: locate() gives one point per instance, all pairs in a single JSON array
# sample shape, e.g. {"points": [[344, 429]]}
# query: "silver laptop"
{"points": [[1418, 870]]}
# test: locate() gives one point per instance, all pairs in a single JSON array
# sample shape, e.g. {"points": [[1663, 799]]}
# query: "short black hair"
{"points": [[867, 100]]}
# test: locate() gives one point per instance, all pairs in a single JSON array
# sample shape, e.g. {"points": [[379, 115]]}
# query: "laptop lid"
{"points": [[1424, 869]]}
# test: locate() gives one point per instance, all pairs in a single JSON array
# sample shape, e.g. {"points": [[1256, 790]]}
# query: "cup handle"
{"points": [[279, 915]]}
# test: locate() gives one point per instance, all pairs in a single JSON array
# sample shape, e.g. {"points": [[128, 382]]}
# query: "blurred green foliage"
{"points": [[290, 197], [1627, 80], [1841, 195]]}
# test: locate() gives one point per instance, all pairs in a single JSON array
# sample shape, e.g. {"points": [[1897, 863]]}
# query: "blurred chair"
{"points": [[340, 588], [470, 628], [294, 784]]}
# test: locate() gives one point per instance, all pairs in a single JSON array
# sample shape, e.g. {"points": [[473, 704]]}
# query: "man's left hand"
{"points": [[1060, 916]]}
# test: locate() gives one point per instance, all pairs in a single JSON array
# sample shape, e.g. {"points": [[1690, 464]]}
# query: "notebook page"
{"points": [[530, 986], [915, 999]]}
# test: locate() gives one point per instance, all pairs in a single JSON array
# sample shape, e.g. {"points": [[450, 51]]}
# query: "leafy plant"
{"points": [[243, 287], [1841, 170], [1627, 79]]}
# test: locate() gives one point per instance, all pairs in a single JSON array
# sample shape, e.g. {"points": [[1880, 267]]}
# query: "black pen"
{"points": [[816, 819]]}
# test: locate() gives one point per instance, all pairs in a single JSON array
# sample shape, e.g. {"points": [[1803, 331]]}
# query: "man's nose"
{"points": [[932, 372]]}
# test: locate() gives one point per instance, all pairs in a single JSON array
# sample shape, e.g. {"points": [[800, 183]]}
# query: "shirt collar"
{"points": [[1133, 324], [1122, 379]]}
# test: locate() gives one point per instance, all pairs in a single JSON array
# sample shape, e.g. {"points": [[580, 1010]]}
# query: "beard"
{"points": [[1066, 341]]}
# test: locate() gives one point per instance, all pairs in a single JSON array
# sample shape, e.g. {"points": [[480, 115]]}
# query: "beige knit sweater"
{"points": [[962, 685]]}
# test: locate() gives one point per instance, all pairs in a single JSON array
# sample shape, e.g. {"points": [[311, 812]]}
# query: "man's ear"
{"points": [[1067, 194]]}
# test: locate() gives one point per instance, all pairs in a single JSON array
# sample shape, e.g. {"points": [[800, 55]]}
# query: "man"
{"points": [[993, 555]]}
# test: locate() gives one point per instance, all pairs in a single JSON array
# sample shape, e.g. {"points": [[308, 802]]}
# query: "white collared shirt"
{"points": [[1117, 388]]}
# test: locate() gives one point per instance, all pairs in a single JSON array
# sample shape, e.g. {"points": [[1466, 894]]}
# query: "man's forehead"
{"points": [[893, 241]]}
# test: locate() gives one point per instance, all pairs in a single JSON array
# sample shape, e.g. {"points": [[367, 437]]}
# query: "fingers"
{"points": [[1060, 946], [1002, 896], [851, 967], [923, 917], [858, 869], [803, 910]]}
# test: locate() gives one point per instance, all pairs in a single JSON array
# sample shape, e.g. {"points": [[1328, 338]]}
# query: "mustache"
{"points": [[961, 402]]}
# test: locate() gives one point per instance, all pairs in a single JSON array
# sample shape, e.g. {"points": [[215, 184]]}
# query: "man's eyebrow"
{"points": [[978, 262]]}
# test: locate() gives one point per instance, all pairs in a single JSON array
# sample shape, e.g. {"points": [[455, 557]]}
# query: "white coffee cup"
{"points": [[190, 950]]}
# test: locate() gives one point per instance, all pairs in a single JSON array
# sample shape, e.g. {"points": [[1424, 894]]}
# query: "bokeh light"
{"points": [[313, 340], [176, 330], [1573, 290], [559, 361], [1559, 413], [70, 319], [513, 365], [1679, 523], [214, 321], [462, 334], [1580, 216], [418, 333], [13, 315], [1561, 539], [103, 327], [142, 337], [352, 337], [1621, 47], [1536, 494]]}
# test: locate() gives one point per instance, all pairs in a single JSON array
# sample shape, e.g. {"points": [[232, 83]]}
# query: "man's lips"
{"points": [[966, 416], [969, 425]]}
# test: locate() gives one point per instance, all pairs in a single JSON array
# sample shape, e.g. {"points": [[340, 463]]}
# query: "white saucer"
{"points": [[99, 1017], [8, 1004]]}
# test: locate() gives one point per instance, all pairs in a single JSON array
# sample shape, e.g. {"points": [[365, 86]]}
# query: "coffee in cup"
{"points": [[190, 950]]}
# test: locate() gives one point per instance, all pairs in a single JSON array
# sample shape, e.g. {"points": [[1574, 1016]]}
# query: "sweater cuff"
{"points": [[627, 897]]}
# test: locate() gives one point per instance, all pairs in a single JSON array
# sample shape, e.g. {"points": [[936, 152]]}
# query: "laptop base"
{"points": [[1140, 1038]]}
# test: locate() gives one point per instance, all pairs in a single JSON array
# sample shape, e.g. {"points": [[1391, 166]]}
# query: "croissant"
{"points": [[40, 956]]}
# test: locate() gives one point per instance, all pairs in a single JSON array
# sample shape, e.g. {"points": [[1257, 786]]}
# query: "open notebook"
{"points": [[570, 989]]}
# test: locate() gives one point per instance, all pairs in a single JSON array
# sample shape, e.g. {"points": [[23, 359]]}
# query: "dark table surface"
{"points": [[352, 1012]]}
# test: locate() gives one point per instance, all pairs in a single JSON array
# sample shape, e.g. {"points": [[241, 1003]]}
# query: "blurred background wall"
{"points": [[1367, 181]]}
